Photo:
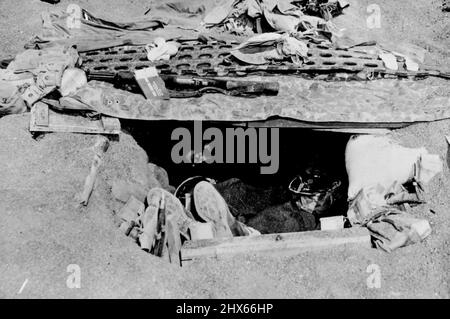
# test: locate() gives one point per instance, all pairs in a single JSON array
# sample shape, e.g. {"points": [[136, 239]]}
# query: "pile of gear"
{"points": [[253, 16], [161, 228], [146, 65], [381, 196], [34, 74]]}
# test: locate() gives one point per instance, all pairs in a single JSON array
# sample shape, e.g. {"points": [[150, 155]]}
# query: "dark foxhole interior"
{"points": [[262, 201]]}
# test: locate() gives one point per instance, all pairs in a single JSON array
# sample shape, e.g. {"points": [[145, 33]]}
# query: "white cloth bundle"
{"points": [[372, 160]]}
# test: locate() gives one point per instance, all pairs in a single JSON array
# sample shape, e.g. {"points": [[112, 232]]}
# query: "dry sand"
{"points": [[43, 230]]}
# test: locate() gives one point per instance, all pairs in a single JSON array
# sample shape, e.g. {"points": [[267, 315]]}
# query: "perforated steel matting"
{"points": [[214, 59]]}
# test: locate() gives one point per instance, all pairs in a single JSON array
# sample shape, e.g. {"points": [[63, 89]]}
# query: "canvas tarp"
{"points": [[385, 101]]}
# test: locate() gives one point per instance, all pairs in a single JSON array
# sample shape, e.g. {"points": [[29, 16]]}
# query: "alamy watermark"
{"points": [[373, 20], [74, 279], [374, 279], [238, 145]]}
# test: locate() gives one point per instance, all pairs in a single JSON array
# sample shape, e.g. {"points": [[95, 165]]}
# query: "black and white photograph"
{"points": [[203, 151]]}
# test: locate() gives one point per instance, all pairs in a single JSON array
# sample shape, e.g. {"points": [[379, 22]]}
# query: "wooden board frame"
{"points": [[282, 244], [43, 119]]}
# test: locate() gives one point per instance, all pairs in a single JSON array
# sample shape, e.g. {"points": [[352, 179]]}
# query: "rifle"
{"points": [[192, 86]]}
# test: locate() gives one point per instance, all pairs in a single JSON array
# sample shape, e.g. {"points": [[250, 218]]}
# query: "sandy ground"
{"points": [[43, 230]]}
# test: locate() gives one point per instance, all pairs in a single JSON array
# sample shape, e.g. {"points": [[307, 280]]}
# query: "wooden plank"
{"points": [[32, 119], [335, 127], [372, 131], [110, 124], [100, 148], [274, 244], [73, 123], [287, 122], [41, 114]]}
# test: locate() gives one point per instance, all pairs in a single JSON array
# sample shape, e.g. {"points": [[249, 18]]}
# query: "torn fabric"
{"points": [[103, 98], [396, 229]]}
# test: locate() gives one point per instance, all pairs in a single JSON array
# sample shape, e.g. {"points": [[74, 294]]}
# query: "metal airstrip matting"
{"points": [[213, 59]]}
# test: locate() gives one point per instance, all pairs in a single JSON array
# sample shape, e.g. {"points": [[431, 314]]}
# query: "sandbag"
{"points": [[372, 160]]}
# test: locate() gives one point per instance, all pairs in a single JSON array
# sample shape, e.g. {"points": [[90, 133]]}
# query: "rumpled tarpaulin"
{"points": [[76, 26], [381, 101]]}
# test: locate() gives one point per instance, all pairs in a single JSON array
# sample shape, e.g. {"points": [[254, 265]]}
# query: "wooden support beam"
{"points": [[372, 131], [43, 119], [274, 244], [41, 114], [347, 126], [100, 148]]}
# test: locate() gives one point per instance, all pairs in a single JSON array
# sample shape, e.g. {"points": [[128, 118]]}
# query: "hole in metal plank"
{"points": [[203, 65], [371, 65], [163, 66], [121, 67], [183, 66]]}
